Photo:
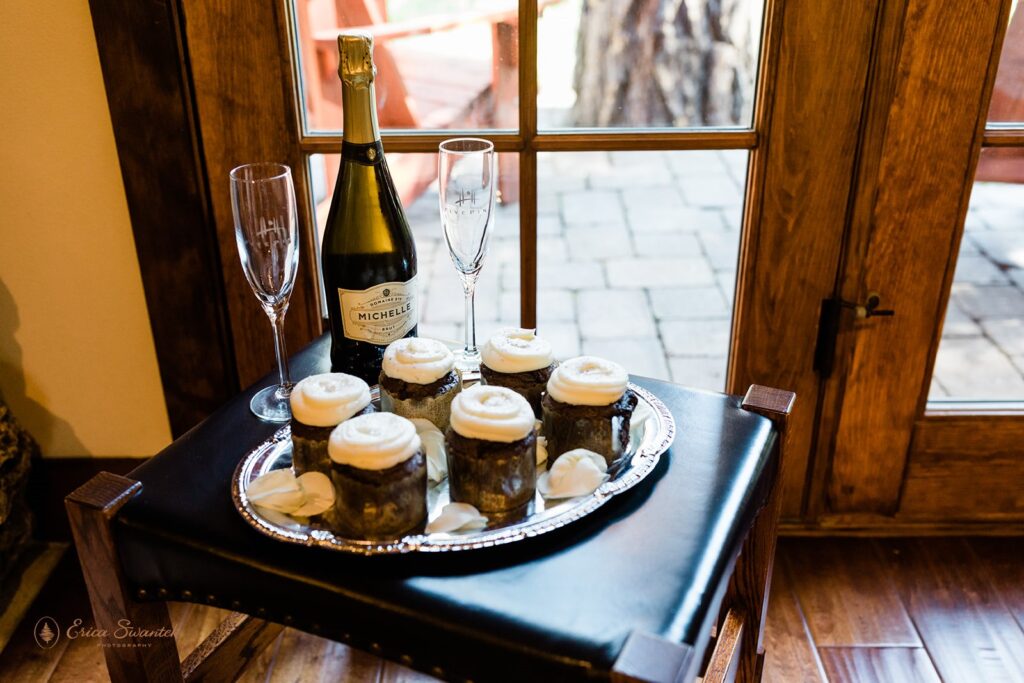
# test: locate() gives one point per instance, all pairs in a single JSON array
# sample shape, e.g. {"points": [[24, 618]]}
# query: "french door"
{"points": [[924, 422], [885, 238], [710, 251]]}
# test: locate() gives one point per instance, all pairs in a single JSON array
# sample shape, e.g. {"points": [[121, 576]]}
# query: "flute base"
{"points": [[271, 404], [467, 361]]}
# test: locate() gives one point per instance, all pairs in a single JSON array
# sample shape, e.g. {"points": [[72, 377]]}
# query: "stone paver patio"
{"points": [[982, 351], [636, 262]]}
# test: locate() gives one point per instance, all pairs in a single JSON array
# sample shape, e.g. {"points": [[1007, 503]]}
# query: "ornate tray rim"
{"points": [[643, 463]]}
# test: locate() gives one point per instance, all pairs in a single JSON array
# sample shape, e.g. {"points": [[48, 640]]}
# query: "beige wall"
{"points": [[77, 365]]}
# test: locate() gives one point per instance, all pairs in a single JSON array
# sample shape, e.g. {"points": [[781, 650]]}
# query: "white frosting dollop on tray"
{"points": [[417, 360], [542, 443], [542, 450], [328, 399], [457, 517], [276, 490], [514, 349], [373, 442], [575, 473], [281, 491], [492, 413], [588, 381], [433, 447]]}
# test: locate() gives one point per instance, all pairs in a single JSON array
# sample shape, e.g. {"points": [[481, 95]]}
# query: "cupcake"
{"points": [[417, 379], [491, 446], [319, 404], [520, 360], [379, 474], [588, 405]]}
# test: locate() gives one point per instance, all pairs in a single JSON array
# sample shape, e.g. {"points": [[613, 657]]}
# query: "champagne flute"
{"points": [[466, 179], [263, 203]]}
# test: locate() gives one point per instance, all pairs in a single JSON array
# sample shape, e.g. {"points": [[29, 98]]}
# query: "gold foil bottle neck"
{"points": [[355, 63]]}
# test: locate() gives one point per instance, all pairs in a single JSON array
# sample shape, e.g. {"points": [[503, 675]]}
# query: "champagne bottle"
{"points": [[368, 255]]}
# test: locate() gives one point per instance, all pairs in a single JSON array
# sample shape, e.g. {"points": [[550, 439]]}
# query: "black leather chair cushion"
{"points": [[558, 607]]}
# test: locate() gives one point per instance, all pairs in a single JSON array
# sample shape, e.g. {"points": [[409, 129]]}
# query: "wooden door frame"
{"points": [[172, 89], [150, 96], [241, 86]]}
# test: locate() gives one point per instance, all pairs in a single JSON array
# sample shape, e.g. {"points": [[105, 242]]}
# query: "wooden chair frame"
{"points": [[738, 652]]}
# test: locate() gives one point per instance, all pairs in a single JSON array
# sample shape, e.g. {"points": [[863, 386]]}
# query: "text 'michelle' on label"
{"points": [[380, 314]]}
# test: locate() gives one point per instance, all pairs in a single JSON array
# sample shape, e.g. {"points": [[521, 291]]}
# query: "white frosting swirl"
{"points": [[588, 381], [374, 442], [514, 349], [492, 413], [328, 399], [417, 360]]}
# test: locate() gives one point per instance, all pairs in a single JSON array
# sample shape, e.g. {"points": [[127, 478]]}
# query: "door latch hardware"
{"points": [[868, 309], [828, 327]]}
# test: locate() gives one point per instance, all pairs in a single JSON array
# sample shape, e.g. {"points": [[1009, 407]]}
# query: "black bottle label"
{"points": [[366, 155]]}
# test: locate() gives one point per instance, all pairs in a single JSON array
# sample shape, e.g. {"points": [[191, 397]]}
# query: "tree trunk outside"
{"points": [[666, 62]]}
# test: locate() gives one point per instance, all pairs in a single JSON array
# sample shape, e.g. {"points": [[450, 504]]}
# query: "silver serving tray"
{"points": [[647, 442]]}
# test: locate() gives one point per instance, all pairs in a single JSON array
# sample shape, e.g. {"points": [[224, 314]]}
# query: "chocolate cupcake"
{"points": [[379, 474], [588, 405], [418, 379], [319, 404], [491, 446], [520, 360]]}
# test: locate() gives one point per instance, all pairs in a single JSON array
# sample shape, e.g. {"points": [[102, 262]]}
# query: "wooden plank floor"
{"points": [[928, 610], [842, 610]]}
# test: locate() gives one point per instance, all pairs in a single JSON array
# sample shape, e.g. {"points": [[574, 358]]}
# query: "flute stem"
{"points": [[277, 322]]}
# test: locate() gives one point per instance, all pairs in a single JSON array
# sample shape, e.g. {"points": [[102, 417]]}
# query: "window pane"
{"points": [[443, 64], [637, 258], [627, 64], [442, 312], [1008, 96], [981, 355]]}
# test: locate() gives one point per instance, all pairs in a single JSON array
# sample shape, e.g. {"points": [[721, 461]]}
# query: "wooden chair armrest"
{"points": [[220, 657], [746, 598]]}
